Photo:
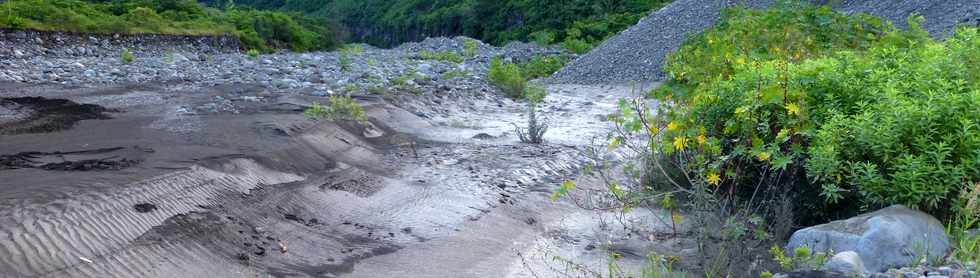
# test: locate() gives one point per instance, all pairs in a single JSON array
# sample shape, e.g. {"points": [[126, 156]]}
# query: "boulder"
{"points": [[847, 262], [891, 237]]}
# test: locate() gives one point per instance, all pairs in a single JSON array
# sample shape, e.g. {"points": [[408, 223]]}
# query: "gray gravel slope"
{"points": [[637, 54]]}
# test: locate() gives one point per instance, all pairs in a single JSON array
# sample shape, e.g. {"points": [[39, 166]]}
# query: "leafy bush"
{"points": [[126, 57], [542, 66], [252, 53], [497, 22], [848, 112], [470, 47], [543, 37], [576, 46], [507, 76], [262, 30], [353, 48], [342, 108], [445, 56]]}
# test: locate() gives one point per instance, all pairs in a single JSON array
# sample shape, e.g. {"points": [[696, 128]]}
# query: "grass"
{"points": [[261, 30]]}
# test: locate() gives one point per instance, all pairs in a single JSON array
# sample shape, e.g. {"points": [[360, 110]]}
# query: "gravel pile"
{"points": [[637, 54]]}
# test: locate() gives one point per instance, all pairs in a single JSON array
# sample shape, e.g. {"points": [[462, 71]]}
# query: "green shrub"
{"points": [[342, 108], [262, 30], [576, 46], [507, 76], [13, 22], [252, 53], [353, 48], [542, 66], [850, 113], [126, 57], [470, 47], [543, 37], [445, 56]]}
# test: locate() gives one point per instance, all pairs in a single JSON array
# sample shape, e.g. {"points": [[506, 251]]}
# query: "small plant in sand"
{"points": [[536, 127], [126, 57], [341, 108]]}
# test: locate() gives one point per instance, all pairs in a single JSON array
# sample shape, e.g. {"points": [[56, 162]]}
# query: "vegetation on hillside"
{"points": [[261, 30], [798, 115], [576, 24], [852, 113]]}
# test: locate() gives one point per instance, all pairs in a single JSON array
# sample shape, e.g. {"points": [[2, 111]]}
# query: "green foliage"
{"points": [[535, 93], [507, 76], [848, 111], [262, 30], [802, 259], [543, 37], [268, 30], [126, 57], [353, 48], [444, 56], [512, 78], [495, 21], [536, 127], [342, 108], [470, 47], [576, 46], [252, 53], [542, 66], [966, 246], [344, 61]]}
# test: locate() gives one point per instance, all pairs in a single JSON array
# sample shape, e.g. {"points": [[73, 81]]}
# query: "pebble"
{"points": [[313, 73]]}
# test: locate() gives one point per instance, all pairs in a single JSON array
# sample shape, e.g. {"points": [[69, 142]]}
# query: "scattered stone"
{"points": [[144, 207], [847, 262], [890, 237], [484, 136]]}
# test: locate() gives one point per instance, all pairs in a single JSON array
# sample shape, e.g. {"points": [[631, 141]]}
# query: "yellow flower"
{"points": [[714, 178], [676, 217], [680, 142], [701, 139], [764, 156], [672, 126], [793, 109]]}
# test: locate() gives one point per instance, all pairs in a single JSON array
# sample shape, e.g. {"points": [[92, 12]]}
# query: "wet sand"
{"points": [[141, 181]]}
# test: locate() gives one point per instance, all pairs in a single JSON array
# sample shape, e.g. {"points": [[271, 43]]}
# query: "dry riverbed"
{"points": [[195, 178]]}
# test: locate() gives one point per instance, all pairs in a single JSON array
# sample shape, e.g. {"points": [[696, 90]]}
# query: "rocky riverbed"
{"points": [[196, 160]]}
